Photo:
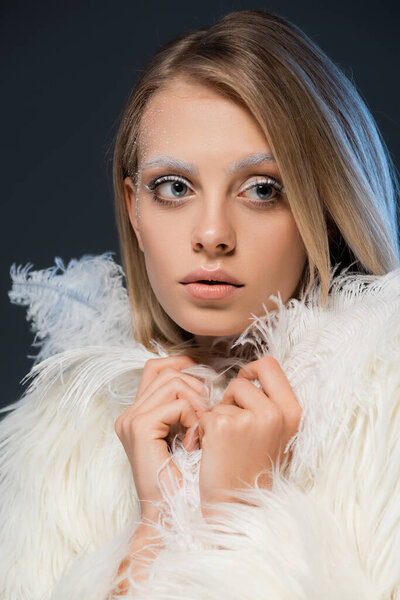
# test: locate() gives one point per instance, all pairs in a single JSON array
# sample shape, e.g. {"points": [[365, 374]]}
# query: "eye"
{"points": [[173, 184], [267, 190]]}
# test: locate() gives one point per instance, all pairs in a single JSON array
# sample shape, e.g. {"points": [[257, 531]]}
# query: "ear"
{"points": [[130, 201]]}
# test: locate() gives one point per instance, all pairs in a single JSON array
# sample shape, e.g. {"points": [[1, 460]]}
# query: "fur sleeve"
{"points": [[66, 488], [331, 528]]}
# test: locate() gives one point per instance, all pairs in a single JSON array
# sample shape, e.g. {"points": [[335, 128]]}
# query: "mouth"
{"points": [[204, 289], [215, 282], [211, 284]]}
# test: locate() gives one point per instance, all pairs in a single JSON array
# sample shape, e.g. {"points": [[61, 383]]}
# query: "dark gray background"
{"points": [[66, 72]]}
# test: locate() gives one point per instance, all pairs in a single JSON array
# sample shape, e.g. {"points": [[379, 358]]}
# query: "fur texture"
{"points": [[330, 526]]}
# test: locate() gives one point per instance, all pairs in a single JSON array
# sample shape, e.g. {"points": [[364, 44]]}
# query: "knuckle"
{"points": [[237, 383], [177, 383], [274, 417], [185, 403], [269, 361], [120, 421], [221, 422], [180, 385], [247, 419], [151, 363], [137, 423], [117, 425], [149, 368], [187, 358], [169, 371]]}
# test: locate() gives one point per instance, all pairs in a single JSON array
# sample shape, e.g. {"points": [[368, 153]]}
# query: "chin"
{"points": [[214, 331], [221, 323]]}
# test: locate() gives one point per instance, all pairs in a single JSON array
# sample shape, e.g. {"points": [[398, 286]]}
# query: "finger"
{"points": [[155, 365], [274, 382], [269, 373], [165, 415], [172, 389], [204, 421], [164, 376], [246, 395], [226, 409]]}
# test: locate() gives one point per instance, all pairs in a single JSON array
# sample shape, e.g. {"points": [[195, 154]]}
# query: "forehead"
{"points": [[190, 116]]}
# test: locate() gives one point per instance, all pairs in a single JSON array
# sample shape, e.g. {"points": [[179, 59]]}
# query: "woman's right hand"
{"points": [[165, 396]]}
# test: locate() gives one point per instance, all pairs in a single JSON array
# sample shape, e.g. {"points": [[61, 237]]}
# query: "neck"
{"points": [[214, 343], [216, 350]]}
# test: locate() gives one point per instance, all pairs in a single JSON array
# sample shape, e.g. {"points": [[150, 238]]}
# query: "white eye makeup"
{"points": [[266, 191]]}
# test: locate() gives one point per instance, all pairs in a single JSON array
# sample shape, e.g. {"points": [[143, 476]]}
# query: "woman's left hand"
{"points": [[247, 430]]}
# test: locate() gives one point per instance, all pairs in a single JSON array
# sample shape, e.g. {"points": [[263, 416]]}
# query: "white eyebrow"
{"points": [[176, 163], [250, 161]]}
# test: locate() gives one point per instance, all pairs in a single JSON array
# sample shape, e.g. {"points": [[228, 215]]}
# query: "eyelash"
{"points": [[266, 180]]}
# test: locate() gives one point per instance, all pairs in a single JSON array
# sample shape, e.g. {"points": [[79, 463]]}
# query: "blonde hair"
{"points": [[338, 176]]}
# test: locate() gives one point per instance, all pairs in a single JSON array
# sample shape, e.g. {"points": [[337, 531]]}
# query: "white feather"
{"points": [[86, 301], [329, 528]]}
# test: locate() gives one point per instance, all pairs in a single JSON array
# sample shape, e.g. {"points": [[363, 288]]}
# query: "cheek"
{"points": [[165, 237], [163, 245], [164, 233], [274, 239], [276, 254]]}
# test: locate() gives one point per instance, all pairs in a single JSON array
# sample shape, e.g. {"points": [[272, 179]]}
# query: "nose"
{"points": [[213, 233]]}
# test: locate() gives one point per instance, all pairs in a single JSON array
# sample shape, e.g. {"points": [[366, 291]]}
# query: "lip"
{"points": [[216, 291], [201, 274]]}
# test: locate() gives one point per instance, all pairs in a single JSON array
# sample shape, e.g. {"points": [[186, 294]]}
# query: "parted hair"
{"points": [[338, 176]]}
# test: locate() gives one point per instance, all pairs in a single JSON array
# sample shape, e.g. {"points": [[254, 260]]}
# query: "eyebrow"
{"points": [[176, 163]]}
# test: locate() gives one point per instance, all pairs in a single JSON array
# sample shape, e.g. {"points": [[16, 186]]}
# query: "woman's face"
{"points": [[213, 214]]}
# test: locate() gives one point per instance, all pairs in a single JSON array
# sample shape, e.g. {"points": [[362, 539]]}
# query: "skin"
{"points": [[217, 224]]}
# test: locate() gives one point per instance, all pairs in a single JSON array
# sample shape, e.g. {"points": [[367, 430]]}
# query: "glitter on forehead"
{"points": [[147, 129], [152, 130]]}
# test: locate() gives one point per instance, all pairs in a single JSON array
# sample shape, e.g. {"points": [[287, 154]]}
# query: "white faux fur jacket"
{"points": [[328, 530]]}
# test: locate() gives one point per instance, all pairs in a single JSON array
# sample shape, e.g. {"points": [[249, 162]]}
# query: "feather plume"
{"points": [[71, 306]]}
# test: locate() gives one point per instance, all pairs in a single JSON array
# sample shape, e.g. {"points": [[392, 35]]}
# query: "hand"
{"points": [[248, 430], [165, 396]]}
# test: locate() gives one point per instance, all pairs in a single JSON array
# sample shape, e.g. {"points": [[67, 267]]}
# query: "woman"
{"points": [[254, 417]]}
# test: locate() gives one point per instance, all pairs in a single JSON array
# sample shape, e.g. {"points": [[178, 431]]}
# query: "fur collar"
{"points": [[328, 529]]}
